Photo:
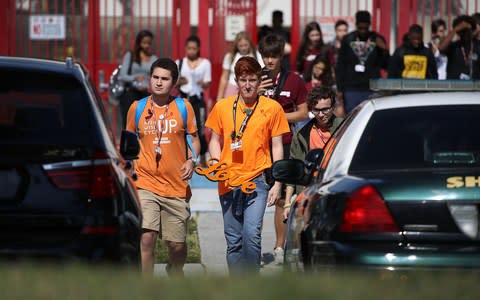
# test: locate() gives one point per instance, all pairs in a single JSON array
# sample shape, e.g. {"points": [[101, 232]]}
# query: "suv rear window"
{"points": [[43, 107], [420, 137]]}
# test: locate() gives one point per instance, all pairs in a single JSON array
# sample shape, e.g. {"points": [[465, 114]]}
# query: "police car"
{"points": [[396, 187]]}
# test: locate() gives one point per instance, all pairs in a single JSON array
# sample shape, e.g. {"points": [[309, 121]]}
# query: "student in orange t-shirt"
{"points": [[248, 124], [316, 133], [163, 167]]}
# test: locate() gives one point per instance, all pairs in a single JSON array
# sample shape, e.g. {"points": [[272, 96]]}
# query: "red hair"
{"points": [[247, 65]]}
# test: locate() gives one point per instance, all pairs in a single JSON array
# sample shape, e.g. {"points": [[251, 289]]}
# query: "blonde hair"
{"points": [[242, 35]]}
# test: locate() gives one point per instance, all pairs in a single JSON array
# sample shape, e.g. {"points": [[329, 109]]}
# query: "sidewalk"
{"points": [[205, 207]]}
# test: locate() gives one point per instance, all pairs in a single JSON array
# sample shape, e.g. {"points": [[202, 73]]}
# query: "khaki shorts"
{"points": [[167, 216]]}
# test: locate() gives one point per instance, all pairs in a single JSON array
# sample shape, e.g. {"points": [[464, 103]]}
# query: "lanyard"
{"points": [[468, 58], [159, 131], [362, 52], [248, 115]]}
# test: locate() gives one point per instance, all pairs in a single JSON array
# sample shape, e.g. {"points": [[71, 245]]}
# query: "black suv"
{"points": [[65, 191]]}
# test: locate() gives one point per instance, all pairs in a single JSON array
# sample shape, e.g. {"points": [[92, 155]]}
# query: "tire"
{"points": [[130, 256]]}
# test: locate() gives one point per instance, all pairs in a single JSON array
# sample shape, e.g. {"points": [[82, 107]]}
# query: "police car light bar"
{"points": [[423, 85]]}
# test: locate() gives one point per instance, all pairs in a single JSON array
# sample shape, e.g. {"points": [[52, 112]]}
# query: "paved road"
{"points": [[205, 207]]}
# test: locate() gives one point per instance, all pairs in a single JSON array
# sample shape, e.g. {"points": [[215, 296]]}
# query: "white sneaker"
{"points": [[278, 254]]}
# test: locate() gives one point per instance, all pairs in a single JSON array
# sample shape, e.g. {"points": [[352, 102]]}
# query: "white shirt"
{"points": [[202, 72]]}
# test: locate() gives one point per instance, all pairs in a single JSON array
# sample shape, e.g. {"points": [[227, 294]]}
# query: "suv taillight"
{"points": [[365, 211], [96, 177]]}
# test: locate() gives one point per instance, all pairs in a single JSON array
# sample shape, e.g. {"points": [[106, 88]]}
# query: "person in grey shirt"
{"points": [[135, 71]]}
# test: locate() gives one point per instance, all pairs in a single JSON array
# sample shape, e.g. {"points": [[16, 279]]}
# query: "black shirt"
{"points": [[413, 63], [356, 51], [463, 58]]}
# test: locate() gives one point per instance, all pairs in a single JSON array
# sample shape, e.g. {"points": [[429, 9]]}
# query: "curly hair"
{"points": [[318, 93]]}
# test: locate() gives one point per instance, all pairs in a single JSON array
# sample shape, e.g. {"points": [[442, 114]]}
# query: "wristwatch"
{"points": [[195, 160]]}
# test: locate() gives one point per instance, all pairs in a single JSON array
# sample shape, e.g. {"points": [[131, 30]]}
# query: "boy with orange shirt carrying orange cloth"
{"points": [[248, 124], [163, 167]]}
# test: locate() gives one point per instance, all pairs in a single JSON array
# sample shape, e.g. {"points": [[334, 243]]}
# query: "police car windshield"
{"points": [[420, 137]]}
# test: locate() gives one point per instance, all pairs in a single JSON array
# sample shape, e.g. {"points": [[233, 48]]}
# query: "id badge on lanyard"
{"points": [[359, 68], [236, 145]]}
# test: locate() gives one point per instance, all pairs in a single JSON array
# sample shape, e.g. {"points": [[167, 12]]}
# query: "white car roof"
{"points": [[426, 99]]}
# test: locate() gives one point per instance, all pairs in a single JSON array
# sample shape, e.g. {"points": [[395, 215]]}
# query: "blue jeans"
{"points": [[242, 222], [353, 98]]}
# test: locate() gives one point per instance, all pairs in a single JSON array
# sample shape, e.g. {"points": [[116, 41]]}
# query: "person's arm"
{"points": [[299, 96], [446, 41], [277, 154], [382, 50], [127, 60], [339, 77], [223, 83], [432, 72], [340, 66], [288, 201], [300, 114], [214, 146], [187, 167], [395, 66], [207, 75], [196, 143]]}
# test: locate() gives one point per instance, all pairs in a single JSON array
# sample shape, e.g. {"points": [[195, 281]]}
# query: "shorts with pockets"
{"points": [[167, 216]]}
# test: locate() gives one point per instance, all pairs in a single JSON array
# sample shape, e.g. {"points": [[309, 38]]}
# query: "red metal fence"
{"points": [[429, 10], [215, 19], [97, 32]]}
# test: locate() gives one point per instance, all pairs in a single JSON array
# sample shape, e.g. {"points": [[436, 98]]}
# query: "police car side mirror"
{"points": [[290, 171], [129, 145]]}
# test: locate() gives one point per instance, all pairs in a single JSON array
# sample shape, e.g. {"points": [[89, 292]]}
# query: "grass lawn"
{"points": [[70, 281], [193, 245]]}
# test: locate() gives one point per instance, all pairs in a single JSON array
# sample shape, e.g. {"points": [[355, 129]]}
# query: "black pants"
{"points": [[198, 104]]}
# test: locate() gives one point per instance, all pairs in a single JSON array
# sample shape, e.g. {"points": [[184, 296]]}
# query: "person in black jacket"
{"points": [[412, 60], [464, 54], [362, 55]]}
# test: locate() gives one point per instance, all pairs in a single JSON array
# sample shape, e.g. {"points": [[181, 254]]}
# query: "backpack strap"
{"points": [[281, 83], [180, 65], [183, 111], [138, 111], [129, 71]]}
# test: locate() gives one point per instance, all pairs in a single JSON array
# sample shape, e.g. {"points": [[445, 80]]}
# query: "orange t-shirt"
{"points": [[267, 121], [318, 137], [162, 178]]}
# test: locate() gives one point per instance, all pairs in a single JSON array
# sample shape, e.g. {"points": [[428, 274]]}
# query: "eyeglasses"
{"points": [[324, 111]]}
